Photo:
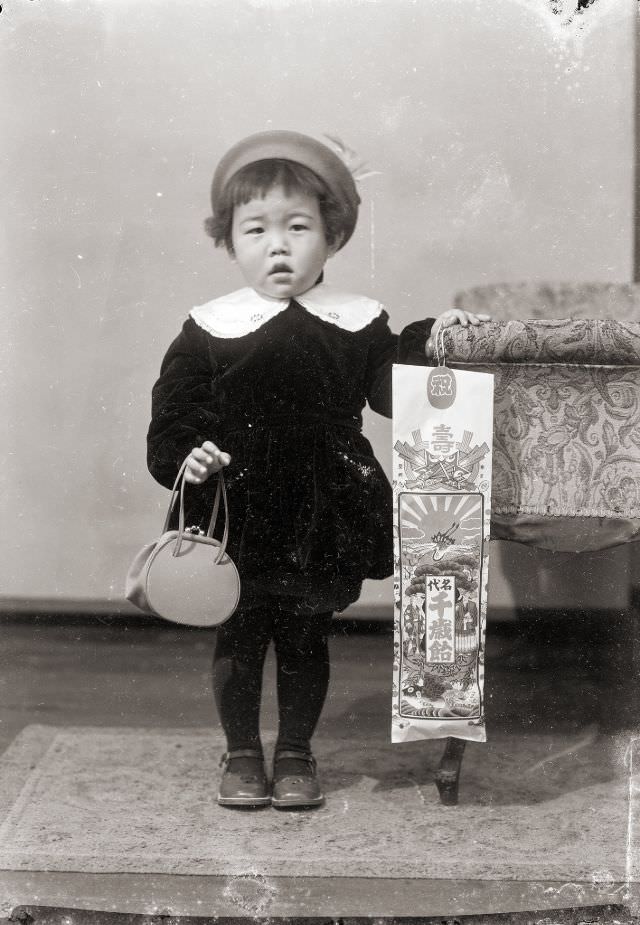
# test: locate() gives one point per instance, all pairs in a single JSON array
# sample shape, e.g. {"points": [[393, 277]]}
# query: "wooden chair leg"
{"points": [[448, 773]]}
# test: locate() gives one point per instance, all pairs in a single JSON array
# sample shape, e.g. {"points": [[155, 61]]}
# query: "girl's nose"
{"points": [[278, 245]]}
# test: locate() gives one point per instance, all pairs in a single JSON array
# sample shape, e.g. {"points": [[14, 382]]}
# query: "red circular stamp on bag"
{"points": [[441, 387]]}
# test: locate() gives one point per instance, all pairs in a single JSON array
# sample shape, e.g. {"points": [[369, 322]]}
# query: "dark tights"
{"points": [[302, 658]]}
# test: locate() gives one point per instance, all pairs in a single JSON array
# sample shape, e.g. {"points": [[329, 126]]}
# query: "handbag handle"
{"points": [[221, 492]]}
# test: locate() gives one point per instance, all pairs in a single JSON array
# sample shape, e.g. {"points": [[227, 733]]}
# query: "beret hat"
{"points": [[302, 149]]}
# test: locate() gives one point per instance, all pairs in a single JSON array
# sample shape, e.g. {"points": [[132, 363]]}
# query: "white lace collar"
{"points": [[244, 311]]}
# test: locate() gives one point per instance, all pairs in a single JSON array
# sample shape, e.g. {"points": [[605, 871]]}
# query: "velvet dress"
{"points": [[280, 386]]}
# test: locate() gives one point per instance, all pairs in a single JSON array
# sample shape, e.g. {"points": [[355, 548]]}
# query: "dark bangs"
{"points": [[254, 182]]}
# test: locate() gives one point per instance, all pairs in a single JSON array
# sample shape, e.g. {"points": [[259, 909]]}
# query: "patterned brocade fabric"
{"points": [[594, 342], [566, 464]]}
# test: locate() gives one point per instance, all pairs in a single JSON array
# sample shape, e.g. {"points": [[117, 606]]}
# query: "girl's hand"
{"points": [[446, 320], [203, 461], [457, 316]]}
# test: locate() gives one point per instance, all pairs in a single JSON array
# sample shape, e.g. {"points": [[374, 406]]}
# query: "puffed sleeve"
{"points": [[182, 414], [383, 352], [412, 341]]}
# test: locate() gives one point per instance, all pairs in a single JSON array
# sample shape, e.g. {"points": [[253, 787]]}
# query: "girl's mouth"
{"points": [[280, 268]]}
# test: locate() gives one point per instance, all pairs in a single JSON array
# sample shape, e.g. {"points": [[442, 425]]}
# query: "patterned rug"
{"points": [[112, 800]]}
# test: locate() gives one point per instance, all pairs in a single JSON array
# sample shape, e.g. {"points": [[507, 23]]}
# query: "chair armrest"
{"points": [[586, 342]]}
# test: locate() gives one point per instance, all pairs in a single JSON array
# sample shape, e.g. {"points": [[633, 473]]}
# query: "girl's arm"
{"points": [[383, 353], [412, 342], [182, 415]]}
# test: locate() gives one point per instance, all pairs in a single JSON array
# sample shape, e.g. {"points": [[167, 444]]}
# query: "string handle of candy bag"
{"points": [[440, 354], [434, 348]]}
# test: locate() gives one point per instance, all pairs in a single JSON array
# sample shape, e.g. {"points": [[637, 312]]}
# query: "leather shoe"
{"points": [[247, 787], [296, 791]]}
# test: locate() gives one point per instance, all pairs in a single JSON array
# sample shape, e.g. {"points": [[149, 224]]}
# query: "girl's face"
{"points": [[279, 243]]}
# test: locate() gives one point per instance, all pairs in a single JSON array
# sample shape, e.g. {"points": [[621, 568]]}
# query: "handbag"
{"points": [[185, 576]]}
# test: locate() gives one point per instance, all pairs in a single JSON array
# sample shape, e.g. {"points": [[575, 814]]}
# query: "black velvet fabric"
{"points": [[411, 343], [310, 506]]}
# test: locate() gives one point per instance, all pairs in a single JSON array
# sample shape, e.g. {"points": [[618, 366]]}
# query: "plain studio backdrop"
{"points": [[502, 137]]}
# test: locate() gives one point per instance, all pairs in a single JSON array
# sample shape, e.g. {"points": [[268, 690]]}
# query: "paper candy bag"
{"points": [[442, 436]]}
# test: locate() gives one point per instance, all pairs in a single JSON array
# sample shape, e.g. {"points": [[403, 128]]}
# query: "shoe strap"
{"points": [[299, 756], [241, 753]]}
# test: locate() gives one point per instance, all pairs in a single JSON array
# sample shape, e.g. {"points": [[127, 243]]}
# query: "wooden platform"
{"points": [[539, 682]]}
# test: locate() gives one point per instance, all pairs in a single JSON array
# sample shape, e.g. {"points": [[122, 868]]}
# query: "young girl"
{"points": [[269, 382]]}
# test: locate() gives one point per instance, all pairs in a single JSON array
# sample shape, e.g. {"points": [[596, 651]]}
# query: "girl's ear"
{"points": [[334, 247]]}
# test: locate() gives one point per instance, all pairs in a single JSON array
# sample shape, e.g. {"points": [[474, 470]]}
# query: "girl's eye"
{"points": [[299, 227], [257, 230]]}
